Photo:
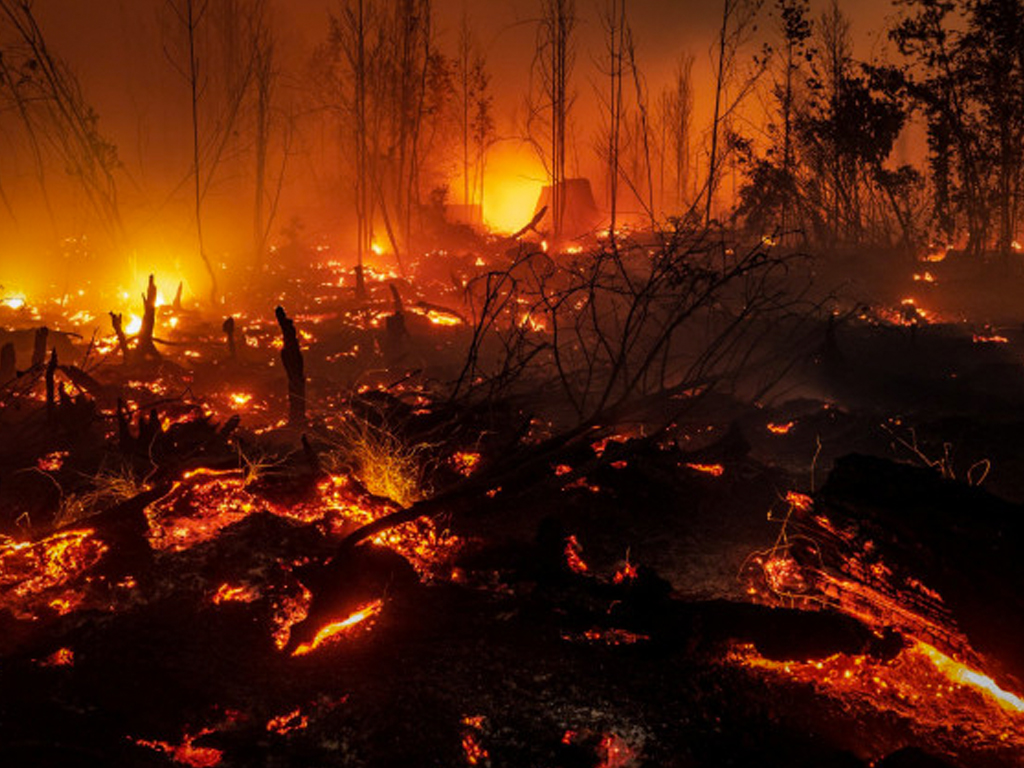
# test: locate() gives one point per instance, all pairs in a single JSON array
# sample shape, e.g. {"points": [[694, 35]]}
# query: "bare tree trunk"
{"points": [[719, 85]]}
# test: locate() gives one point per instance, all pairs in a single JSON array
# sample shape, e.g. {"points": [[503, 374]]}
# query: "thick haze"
{"points": [[117, 50]]}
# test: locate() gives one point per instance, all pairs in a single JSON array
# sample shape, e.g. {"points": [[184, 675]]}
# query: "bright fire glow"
{"points": [[14, 302], [240, 399], [513, 184], [335, 628], [781, 429], [31, 571], [133, 326], [229, 594], [921, 683], [963, 675]]}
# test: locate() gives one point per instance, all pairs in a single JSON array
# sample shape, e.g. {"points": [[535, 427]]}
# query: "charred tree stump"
{"points": [[229, 331], [122, 340], [177, 298], [396, 333], [291, 358], [39, 349], [360, 282], [51, 371], [145, 346], [8, 363]]}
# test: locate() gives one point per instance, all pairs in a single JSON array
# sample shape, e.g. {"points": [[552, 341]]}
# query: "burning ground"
{"points": [[202, 564]]}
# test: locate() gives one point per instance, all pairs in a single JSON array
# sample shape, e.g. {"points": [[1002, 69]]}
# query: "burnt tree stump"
{"points": [[8, 363], [229, 331], [291, 358], [122, 340], [145, 346], [51, 371], [39, 348]]}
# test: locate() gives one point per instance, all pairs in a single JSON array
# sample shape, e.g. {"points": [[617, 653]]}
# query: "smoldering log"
{"points": [[291, 358], [956, 539]]}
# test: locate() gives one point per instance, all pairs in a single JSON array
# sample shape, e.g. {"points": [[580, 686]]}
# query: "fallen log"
{"points": [[954, 538]]}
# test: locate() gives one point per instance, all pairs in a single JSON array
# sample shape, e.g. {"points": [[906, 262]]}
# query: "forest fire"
{"points": [[358, 356]]}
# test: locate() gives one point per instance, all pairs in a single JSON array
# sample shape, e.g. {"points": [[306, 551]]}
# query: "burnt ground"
{"points": [[504, 655]]}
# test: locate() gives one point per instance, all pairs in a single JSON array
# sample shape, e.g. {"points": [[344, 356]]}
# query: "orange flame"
{"points": [[781, 429], [285, 724], [185, 753], [715, 470], [573, 549], [336, 628]]}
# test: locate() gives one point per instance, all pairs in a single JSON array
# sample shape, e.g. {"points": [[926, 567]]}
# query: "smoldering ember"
{"points": [[541, 383]]}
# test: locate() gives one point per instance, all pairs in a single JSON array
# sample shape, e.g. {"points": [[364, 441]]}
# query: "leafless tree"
{"points": [[552, 94]]}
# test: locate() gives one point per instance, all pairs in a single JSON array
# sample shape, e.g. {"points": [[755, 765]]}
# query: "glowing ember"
{"points": [[613, 636], [187, 753], [288, 612], [285, 724], [963, 675], [474, 751], [799, 501], [62, 657], [133, 325], [573, 549], [615, 752], [991, 339], [240, 399], [625, 574], [335, 628], [229, 594], [52, 462], [921, 684], [14, 302], [197, 508], [438, 317], [465, 463], [781, 429], [715, 470], [32, 571]]}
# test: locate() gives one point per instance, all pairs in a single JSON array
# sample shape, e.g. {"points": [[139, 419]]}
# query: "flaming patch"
{"points": [[990, 339], [331, 631], [187, 753], [573, 550], [781, 429], [471, 747], [62, 657], [285, 724], [921, 683], [715, 470], [31, 571], [229, 594]]}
